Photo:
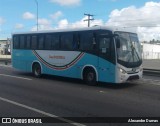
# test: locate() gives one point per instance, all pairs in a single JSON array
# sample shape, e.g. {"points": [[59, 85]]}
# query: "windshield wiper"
{"points": [[134, 50], [132, 55]]}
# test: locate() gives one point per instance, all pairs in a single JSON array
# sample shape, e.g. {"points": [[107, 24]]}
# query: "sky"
{"points": [[142, 16]]}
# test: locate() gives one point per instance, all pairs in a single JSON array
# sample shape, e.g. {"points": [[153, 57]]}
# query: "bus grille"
{"points": [[135, 77]]}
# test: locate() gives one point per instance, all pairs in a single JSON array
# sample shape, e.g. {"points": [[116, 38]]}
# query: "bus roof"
{"points": [[113, 29]]}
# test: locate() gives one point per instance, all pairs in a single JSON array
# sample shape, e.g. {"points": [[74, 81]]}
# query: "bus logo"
{"points": [[134, 69]]}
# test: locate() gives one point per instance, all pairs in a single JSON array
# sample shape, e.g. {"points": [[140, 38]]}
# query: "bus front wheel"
{"points": [[89, 76], [36, 70]]}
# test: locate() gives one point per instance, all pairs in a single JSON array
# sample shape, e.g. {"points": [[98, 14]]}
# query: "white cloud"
{"points": [[28, 15], [43, 24], [44, 21], [107, 0], [146, 33], [136, 19], [140, 19], [79, 24], [98, 22], [41, 28], [56, 15], [19, 26], [2, 20], [34, 28], [66, 2], [63, 24], [83, 23]]}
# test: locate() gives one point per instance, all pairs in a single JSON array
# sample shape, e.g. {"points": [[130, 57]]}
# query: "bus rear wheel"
{"points": [[36, 70], [89, 77]]}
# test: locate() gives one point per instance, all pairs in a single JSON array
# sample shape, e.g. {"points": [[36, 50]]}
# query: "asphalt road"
{"points": [[22, 95]]}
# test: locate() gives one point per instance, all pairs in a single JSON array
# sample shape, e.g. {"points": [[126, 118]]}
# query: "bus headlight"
{"points": [[122, 71]]}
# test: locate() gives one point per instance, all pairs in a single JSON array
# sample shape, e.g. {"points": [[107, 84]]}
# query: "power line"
{"points": [[89, 18]]}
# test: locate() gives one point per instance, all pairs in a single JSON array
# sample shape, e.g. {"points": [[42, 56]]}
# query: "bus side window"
{"points": [[55, 42], [41, 42], [76, 42], [104, 46], [86, 41], [28, 42], [66, 41], [22, 42], [15, 42], [48, 42], [34, 42]]}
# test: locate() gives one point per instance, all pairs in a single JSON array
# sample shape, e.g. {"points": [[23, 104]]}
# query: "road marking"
{"points": [[5, 75], [39, 111], [101, 91]]}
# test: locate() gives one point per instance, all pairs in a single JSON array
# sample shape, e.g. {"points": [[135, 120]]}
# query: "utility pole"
{"points": [[37, 13], [89, 18]]}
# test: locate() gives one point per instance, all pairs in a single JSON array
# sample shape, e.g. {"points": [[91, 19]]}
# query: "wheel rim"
{"points": [[90, 77], [37, 71]]}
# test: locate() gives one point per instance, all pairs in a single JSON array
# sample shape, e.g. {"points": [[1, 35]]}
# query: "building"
{"points": [[5, 47]]}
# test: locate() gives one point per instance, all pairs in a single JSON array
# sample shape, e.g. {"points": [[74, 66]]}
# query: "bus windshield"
{"points": [[129, 53]]}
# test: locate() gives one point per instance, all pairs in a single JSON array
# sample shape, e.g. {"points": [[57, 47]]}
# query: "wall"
{"points": [[151, 51]]}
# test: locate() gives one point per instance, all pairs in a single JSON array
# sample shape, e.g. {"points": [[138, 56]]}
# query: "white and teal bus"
{"points": [[97, 54]]}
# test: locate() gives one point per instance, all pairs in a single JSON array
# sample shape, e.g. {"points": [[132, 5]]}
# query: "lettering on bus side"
{"points": [[57, 57]]}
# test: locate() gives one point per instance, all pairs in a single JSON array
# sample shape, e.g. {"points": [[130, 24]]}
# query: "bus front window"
{"points": [[129, 51]]}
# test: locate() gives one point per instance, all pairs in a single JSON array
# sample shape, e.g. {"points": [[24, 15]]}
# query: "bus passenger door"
{"points": [[104, 58]]}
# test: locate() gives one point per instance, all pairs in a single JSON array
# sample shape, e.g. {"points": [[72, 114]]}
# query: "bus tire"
{"points": [[36, 70], [89, 76]]}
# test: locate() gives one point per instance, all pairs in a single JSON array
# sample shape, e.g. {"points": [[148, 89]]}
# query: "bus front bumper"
{"points": [[125, 77]]}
